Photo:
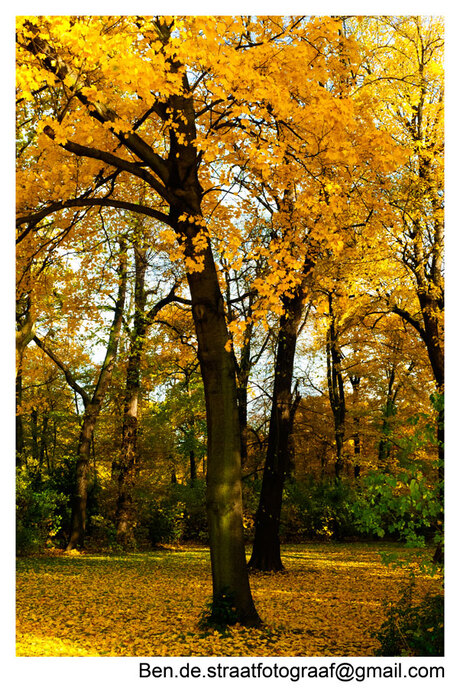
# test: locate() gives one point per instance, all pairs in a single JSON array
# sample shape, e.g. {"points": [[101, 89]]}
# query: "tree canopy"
{"points": [[230, 281]]}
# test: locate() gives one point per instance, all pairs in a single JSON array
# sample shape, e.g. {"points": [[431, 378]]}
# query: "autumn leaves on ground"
{"points": [[327, 603]]}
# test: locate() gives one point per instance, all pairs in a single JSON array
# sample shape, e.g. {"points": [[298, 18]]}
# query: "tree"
{"points": [[174, 180], [124, 468], [93, 403], [406, 54], [204, 119]]}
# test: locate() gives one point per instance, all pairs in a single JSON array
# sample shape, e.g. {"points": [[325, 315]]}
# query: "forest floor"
{"points": [[326, 603]]}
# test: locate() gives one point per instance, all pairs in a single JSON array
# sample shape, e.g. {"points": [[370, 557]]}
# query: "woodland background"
{"points": [[230, 290]]}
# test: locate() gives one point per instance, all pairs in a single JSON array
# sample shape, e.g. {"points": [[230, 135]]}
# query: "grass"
{"points": [[327, 603]]}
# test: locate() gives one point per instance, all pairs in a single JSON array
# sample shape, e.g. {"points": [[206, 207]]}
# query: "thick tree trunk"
{"points": [[434, 344], [266, 555], [224, 493]]}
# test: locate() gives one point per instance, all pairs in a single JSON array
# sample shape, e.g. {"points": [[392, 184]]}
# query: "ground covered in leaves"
{"points": [[326, 603]]}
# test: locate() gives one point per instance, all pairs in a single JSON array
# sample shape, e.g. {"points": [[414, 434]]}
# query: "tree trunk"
{"points": [[266, 555], [80, 496], [355, 382], [336, 390], [20, 445], [389, 411], [34, 433], [434, 343], [243, 371], [224, 493], [192, 467], [125, 468], [43, 443]]}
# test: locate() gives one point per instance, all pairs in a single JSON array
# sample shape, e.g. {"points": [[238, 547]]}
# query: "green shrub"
{"points": [[321, 510], [176, 514], [405, 506], [39, 511], [103, 532], [410, 629], [166, 523], [193, 499]]}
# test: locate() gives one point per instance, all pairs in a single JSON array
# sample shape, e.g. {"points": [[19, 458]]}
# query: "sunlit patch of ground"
{"points": [[326, 603]]}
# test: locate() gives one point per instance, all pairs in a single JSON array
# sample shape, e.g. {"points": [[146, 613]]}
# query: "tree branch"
{"points": [[68, 375], [34, 218]]}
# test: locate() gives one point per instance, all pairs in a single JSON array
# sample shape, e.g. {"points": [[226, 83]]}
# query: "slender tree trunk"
{"points": [[355, 382], [80, 496], [336, 390], [34, 433], [191, 426], [242, 396], [53, 453], [243, 371], [43, 443], [192, 467], [25, 327], [20, 445], [389, 411], [266, 555], [125, 468]]}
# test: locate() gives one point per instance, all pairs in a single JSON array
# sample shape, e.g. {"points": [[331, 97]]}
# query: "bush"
{"points": [[413, 630], [178, 514], [165, 523], [406, 506], [39, 511], [320, 510], [103, 532]]}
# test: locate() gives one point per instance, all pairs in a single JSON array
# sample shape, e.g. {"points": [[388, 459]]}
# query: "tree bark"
{"points": [[355, 382], [224, 493], [266, 555], [20, 445], [389, 411], [336, 390], [125, 468], [43, 442], [34, 433]]}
